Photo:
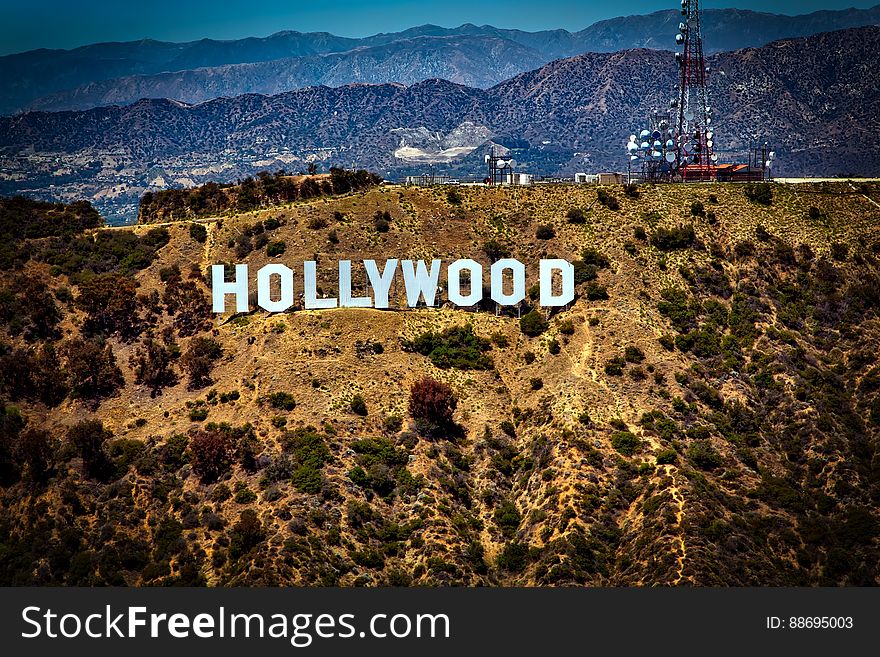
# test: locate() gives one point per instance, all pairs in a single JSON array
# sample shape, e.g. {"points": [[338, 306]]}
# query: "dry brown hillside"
{"points": [[705, 413]]}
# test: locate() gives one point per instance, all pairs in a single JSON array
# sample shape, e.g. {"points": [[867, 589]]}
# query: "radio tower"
{"points": [[695, 158]]}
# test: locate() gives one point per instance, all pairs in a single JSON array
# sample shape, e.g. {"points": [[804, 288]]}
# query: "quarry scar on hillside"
{"points": [[420, 282]]}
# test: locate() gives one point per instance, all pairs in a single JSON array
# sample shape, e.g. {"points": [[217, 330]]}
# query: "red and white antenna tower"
{"points": [[695, 156]]}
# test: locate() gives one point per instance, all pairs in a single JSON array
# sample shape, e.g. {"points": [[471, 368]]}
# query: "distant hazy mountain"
{"points": [[125, 72], [477, 61], [815, 99]]}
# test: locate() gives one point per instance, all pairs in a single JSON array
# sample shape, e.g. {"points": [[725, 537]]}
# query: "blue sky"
{"points": [[67, 24]]}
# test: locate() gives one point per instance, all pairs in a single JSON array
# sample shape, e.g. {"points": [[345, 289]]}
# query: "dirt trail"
{"points": [[679, 515]]}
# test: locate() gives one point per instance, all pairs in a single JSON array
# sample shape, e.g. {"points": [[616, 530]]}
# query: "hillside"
{"points": [[705, 413], [813, 99], [105, 73]]}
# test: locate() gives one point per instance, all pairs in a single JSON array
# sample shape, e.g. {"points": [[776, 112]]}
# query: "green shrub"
{"points": [[507, 517], [514, 557], [566, 327], [456, 347], [553, 347], [358, 405], [703, 455], [667, 456], [697, 209], [633, 354], [625, 442], [276, 248], [198, 414], [608, 200], [537, 383], [670, 239], [545, 232], [453, 197], [533, 323], [282, 400], [759, 193], [198, 233], [576, 216], [309, 453]]}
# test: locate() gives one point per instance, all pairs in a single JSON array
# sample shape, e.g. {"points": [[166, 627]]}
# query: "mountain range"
{"points": [[814, 99], [478, 56]]}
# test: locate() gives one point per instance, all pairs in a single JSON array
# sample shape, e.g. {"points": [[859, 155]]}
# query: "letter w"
{"points": [[419, 282]]}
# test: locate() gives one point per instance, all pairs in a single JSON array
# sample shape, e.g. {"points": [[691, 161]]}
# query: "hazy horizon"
{"points": [[63, 25]]}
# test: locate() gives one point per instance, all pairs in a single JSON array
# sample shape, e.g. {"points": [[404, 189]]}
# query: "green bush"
{"points": [[358, 405], [576, 216], [282, 400], [545, 232], [507, 517], [608, 200], [276, 248], [625, 442], [514, 557], [759, 193], [667, 456], [633, 354], [198, 233], [309, 453], [703, 455], [456, 347], [533, 323], [670, 239], [553, 347]]}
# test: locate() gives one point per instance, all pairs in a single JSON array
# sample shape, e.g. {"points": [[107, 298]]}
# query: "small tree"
{"points": [[152, 365], [431, 403], [199, 359], [110, 301], [92, 367], [533, 323], [212, 453], [89, 437], [34, 451]]}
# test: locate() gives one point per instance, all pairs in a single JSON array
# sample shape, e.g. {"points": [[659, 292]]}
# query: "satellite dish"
{"points": [[502, 163], [710, 143], [772, 155], [656, 134], [669, 143], [633, 157], [682, 27], [632, 137], [670, 157], [708, 120], [645, 145], [656, 154], [714, 157], [632, 146], [673, 102], [512, 163], [486, 159], [710, 134], [658, 145], [688, 115], [644, 134], [664, 124], [679, 39]]}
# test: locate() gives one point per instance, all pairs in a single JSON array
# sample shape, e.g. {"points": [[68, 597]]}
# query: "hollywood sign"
{"points": [[421, 281]]}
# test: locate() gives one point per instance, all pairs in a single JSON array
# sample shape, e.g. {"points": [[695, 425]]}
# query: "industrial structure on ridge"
{"points": [[676, 145]]}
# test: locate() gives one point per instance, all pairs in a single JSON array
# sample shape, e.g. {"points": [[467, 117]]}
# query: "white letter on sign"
{"points": [[567, 270], [220, 288], [264, 288], [519, 282], [453, 274], [419, 282]]}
